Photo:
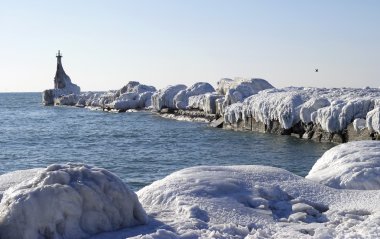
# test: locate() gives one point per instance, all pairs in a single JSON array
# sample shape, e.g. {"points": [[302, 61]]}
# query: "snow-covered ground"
{"points": [[200, 202]]}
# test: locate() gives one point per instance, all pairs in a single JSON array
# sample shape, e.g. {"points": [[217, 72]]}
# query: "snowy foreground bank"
{"points": [[77, 201]]}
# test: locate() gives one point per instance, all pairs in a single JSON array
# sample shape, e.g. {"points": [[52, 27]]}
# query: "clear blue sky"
{"points": [[105, 44]]}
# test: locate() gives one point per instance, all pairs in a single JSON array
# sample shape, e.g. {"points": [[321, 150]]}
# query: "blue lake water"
{"points": [[139, 147]]}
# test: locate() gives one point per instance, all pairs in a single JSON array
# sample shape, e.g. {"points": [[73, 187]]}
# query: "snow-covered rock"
{"points": [[135, 87], [181, 99], [131, 96], [373, 120], [311, 106], [210, 103], [237, 90], [246, 87], [359, 124], [164, 98], [71, 99], [68, 201], [354, 165]]}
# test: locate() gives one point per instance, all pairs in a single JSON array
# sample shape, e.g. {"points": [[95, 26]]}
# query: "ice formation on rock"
{"points": [[164, 98], [68, 201], [373, 120], [354, 165], [237, 90], [246, 87], [359, 124], [131, 96], [205, 102], [181, 99], [62, 85]]}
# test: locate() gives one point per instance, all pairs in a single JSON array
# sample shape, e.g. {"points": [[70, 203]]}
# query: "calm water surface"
{"points": [[139, 147]]}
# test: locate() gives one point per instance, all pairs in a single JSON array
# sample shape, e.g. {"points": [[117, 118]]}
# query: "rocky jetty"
{"points": [[64, 92], [337, 115]]}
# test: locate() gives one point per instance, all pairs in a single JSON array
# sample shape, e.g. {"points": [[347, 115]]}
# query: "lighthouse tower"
{"points": [[60, 75]]}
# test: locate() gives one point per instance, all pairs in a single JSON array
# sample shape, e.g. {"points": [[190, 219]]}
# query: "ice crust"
{"points": [[332, 109], [67, 201], [354, 165]]}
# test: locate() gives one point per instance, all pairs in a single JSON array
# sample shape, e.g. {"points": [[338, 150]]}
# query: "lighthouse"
{"points": [[59, 56], [60, 78]]}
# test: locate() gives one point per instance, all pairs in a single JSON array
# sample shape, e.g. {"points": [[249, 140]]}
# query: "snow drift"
{"points": [[68, 201], [255, 202], [354, 165]]}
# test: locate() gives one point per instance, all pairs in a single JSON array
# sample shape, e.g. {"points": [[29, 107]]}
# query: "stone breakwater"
{"points": [[335, 115]]}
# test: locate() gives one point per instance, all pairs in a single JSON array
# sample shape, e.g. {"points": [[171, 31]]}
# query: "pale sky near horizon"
{"points": [[105, 44]]}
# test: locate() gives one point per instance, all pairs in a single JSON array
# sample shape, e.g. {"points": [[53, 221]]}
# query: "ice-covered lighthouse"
{"points": [[62, 84]]}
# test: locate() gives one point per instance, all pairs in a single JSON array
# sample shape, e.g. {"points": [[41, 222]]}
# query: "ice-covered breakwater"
{"points": [[340, 114]]}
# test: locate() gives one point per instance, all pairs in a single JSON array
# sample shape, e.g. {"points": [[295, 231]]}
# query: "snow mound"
{"points": [[254, 202], [164, 98], [68, 201], [181, 99], [354, 165]]}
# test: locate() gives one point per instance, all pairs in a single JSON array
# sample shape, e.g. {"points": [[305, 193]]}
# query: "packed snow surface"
{"points": [[333, 109], [354, 165], [67, 201], [253, 202]]}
